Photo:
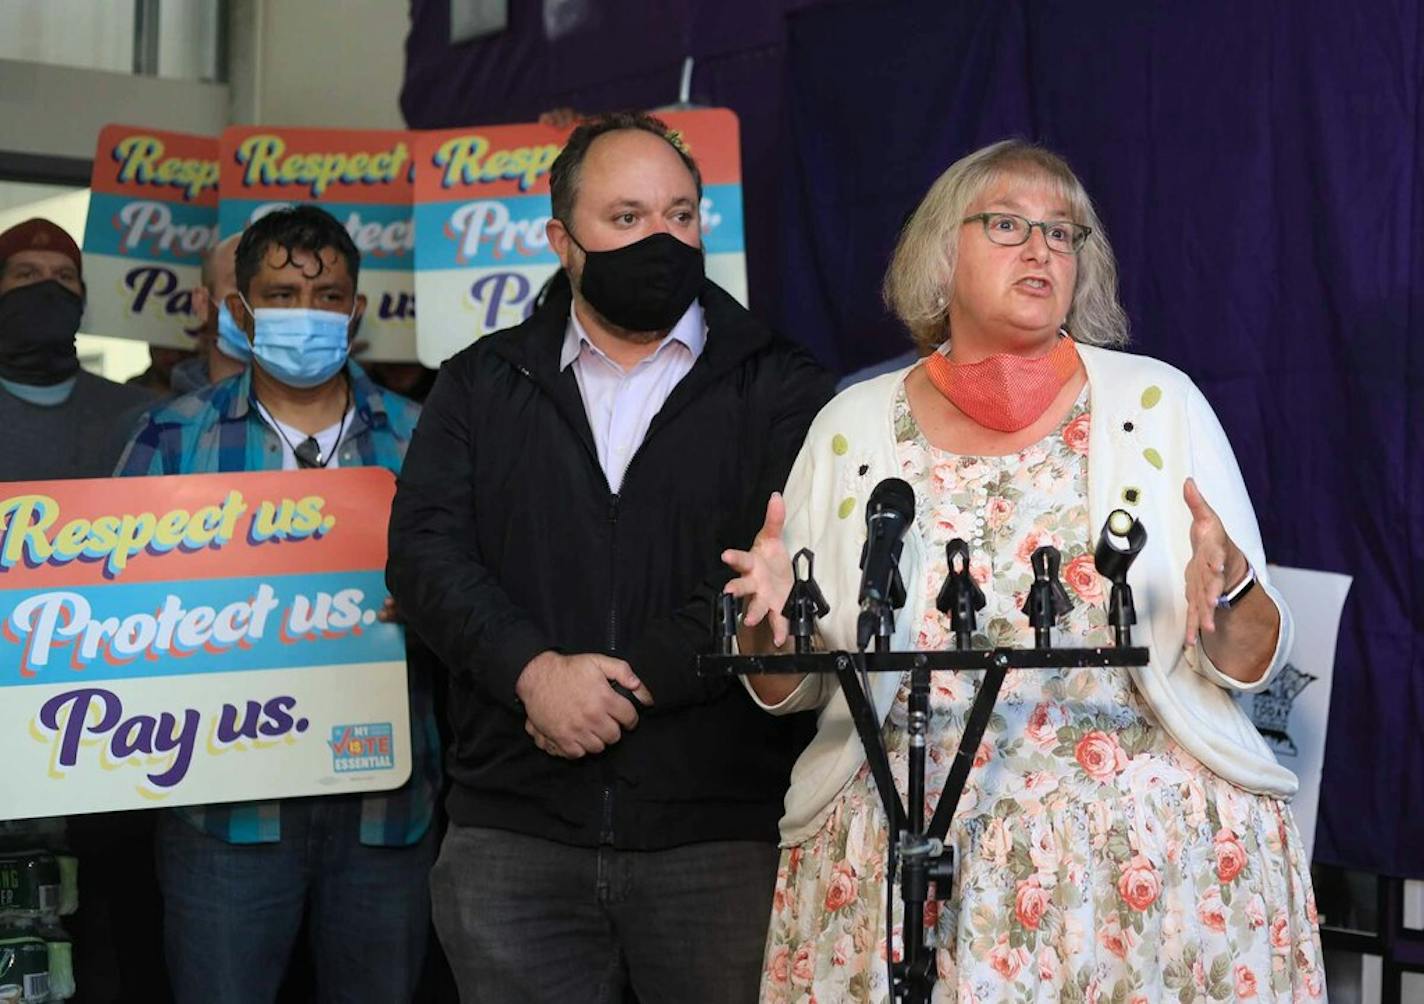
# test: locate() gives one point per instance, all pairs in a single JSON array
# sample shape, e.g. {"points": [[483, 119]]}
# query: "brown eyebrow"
{"points": [[681, 200]]}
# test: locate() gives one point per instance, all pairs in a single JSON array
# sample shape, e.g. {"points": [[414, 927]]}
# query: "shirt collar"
{"points": [[690, 331], [365, 397], [45, 396]]}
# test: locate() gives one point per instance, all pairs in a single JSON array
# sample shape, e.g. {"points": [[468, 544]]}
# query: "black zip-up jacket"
{"points": [[506, 542]]}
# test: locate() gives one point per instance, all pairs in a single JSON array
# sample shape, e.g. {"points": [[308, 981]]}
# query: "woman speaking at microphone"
{"points": [[1124, 834]]}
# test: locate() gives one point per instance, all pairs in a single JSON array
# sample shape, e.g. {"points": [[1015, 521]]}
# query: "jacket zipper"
{"points": [[606, 833], [606, 827], [612, 572]]}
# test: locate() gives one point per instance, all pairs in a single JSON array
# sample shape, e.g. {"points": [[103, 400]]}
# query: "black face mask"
{"points": [[37, 328], [644, 286]]}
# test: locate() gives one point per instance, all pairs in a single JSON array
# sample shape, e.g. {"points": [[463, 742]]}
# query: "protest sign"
{"points": [[153, 212], [481, 205], [197, 638], [361, 177]]}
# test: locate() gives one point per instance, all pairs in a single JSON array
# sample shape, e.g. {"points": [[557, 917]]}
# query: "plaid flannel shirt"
{"points": [[217, 429]]}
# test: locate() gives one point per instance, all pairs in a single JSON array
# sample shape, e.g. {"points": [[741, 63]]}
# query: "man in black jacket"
{"points": [[556, 538]]}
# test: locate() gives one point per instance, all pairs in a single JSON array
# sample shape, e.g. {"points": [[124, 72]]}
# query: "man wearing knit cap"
{"points": [[59, 421]]}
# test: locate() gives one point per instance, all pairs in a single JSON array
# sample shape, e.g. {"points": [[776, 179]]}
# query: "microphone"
{"points": [[887, 517]]}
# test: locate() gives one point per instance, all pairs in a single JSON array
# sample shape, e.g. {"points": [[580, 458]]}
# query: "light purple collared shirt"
{"points": [[621, 403]]}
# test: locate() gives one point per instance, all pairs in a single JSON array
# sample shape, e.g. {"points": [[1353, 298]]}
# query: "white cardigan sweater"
{"points": [[1151, 429]]}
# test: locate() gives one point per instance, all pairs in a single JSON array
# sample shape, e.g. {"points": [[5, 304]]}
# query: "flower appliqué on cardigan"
{"points": [[1128, 434], [853, 481]]}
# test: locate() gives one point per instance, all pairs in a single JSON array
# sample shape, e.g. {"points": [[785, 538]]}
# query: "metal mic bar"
{"points": [[928, 859], [901, 662]]}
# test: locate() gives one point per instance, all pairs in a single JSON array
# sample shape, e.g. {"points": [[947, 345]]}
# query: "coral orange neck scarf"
{"points": [[1005, 392]]}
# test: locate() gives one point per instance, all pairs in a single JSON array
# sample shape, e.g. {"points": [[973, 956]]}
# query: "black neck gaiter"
{"points": [[38, 323]]}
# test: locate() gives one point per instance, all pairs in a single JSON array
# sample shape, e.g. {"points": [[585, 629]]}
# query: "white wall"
{"points": [[59, 110], [70, 32], [331, 63], [335, 63]]}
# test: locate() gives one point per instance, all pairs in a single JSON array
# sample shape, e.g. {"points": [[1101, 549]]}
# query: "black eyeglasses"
{"points": [[1010, 230]]}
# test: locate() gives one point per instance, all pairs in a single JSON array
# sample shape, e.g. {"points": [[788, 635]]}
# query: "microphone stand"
{"points": [[929, 865]]}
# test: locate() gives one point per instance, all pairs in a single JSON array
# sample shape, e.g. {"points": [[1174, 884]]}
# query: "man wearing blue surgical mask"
{"points": [[238, 879], [299, 309], [223, 348]]}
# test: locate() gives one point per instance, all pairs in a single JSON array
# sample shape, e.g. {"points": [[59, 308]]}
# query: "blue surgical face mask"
{"points": [[232, 340], [299, 346]]}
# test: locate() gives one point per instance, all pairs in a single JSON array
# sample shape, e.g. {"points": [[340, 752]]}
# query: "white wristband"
{"points": [[1235, 594]]}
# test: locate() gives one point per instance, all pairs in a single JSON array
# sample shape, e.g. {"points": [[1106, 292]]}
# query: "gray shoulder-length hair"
{"points": [[920, 281]]}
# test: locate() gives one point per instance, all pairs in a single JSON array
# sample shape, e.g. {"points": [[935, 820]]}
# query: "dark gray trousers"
{"points": [[529, 920]]}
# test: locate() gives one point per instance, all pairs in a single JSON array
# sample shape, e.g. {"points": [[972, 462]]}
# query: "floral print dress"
{"points": [[1098, 860]]}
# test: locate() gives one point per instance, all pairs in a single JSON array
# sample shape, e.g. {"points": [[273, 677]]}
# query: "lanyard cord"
{"points": [[300, 451]]}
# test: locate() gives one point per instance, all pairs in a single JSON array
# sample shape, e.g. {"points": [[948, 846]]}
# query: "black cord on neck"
{"points": [[308, 451]]}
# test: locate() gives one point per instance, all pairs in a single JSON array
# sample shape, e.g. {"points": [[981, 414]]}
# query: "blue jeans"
{"points": [[232, 912], [530, 921]]}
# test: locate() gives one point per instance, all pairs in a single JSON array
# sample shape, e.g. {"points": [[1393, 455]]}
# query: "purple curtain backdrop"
{"points": [[1259, 167]]}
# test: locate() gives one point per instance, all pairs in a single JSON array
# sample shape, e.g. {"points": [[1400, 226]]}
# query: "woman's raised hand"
{"points": [[764, 576], [1216, 563]]}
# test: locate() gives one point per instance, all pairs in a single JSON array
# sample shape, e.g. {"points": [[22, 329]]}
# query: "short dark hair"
{"points": [[295, 228], [564, 175]]}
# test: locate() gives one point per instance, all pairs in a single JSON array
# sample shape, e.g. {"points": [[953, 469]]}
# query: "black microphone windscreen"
{"points": [[894, 494]]}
